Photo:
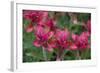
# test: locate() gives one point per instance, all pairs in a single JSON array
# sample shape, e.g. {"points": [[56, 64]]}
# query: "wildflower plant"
{"points": [[53, 36]]}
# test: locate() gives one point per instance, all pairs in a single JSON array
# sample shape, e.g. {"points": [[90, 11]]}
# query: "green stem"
{"points": [[44, 54], [63, 54], [60, 55], [78, 55]]}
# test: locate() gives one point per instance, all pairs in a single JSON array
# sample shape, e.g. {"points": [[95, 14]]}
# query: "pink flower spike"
{"points": [[29, 28], [50, 23], [36, 43], [73, 47], [50, 34], [45, 14], [62, 35], [74, 37]]}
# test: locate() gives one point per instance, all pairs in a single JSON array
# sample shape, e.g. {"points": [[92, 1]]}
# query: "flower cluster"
{"points": [[50, 36]]}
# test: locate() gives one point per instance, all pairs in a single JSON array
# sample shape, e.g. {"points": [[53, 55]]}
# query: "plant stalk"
{"points": [[44, 54], [78, 55]]}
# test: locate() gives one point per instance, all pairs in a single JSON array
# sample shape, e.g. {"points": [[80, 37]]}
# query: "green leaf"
{"points": [[86, 53], [76, 28], [63, 21], [83, 17]]}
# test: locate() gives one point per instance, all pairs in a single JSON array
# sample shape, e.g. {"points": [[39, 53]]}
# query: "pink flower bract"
{"points": [[80, 41]]}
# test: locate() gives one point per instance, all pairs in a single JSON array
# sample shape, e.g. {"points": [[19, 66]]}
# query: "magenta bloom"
{"points": [[62, 37], [35, 16], [51, 24], [41, 34], [31, 15], [29, 28], [80, 41], [42, 37]]}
